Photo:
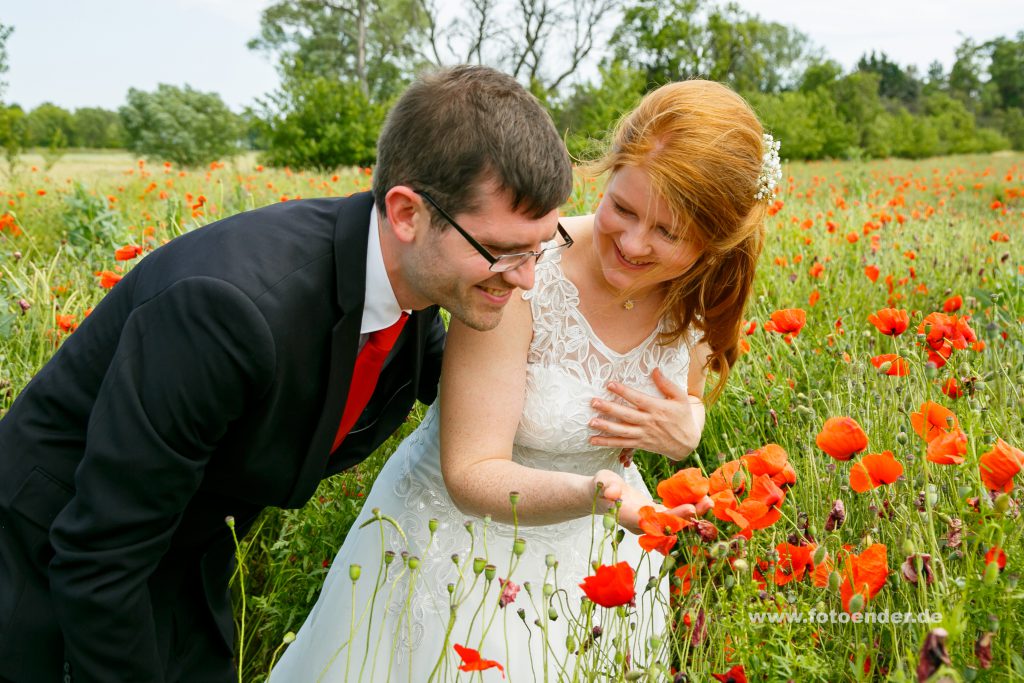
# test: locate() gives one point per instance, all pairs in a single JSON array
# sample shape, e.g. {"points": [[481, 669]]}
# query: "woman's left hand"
{"points": [[667, 425]]}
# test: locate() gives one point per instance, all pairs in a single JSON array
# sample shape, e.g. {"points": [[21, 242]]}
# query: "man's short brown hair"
{"points": [[455, 128]]}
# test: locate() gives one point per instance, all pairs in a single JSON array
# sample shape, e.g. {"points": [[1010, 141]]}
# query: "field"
{"points": [[909, 506]]}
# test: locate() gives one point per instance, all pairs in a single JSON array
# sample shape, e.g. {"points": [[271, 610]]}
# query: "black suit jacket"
{"points": [[209, 382]]}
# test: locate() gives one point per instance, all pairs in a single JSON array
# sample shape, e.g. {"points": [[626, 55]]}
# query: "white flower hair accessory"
{"points": [[771, 168]]}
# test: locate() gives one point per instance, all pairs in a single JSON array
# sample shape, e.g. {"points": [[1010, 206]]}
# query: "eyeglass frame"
{"points": [[491, 258]]}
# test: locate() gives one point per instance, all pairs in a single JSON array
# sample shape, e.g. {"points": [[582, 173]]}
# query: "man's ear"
{"points": [[401, 209]]}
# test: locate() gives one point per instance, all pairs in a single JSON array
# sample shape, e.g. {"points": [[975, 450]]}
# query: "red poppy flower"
{"points": [[865, 574], [948, 448], [66, 322], [108, 279], [788, 321], [724, 478], [128, 252], [471, 660], [685, 486], [897, 367], [611, 585], [773, 461], [933, 420], [997, 555], [660, 529], [951, 388], [1000, 465], [871, 272], [841, 437], [813, 298], [794, 561], [890, 321], [685, 574], [733, 675], [953, 303], [940, 328], [873, 470]]}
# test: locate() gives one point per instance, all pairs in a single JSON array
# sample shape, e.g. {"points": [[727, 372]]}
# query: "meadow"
{"points": [[863, 458]]}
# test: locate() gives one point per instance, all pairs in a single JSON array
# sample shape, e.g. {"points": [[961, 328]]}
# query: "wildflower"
{"points": [[685, 486], [611, 585], [909, 569], [509, 591], [471, 660], [127, 252], [841, 437], [733, 675], [108, 279], [864, 574], [933, 654], [948, 449], [836, 516], [788, 321], [939, 328], [890, 321], [873, 470], [891, 364], [997, 555], [872, 273], [794, 561], [728, 477], [933, 420], [773, 461], [953, 303], [951, 388], [67, 322], [1000, 465], [660, 529]]}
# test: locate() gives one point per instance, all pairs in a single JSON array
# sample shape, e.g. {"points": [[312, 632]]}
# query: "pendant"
{"points": [[628, 304]]}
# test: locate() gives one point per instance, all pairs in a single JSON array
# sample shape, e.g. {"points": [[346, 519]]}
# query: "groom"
{"points": [[238, 365]]}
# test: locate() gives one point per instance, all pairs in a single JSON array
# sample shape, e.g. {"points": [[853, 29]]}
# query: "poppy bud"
{"points": [[635, 675], [991, 573], [354, 570], [608, 521], [738, 480], [884, 367], [414, 562], [819, 555], [741, 565], [549, 590], [730, 581], [908, 547], [432, 525], [719, 550], [478, 565], [451, 589], [288, 638], [389, 556], [522, 613], [570, 643], [655, 643], [901, 438], [519, 546], [513, 497], [856, 603], [230, 521], [834, 579], [552, 614], [490, 571]]}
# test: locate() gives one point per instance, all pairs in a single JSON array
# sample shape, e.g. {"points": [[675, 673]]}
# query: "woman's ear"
{"points": [[401, 208]]}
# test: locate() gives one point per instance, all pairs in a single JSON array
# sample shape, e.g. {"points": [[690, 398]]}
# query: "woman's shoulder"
{"points": [[579, 227]]}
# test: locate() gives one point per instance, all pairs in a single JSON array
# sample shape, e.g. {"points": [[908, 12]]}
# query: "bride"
{"points": [[472, 545]]}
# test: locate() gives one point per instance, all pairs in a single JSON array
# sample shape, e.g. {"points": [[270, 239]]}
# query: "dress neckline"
{"points": [[557, 264]]}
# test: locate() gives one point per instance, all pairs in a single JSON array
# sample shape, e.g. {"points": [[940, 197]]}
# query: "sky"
{"points": [[82, 53]]}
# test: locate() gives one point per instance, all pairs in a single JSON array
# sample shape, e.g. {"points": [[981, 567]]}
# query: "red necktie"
{"points": [[365, 374]]}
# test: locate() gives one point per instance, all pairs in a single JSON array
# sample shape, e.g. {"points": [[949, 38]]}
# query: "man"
{"points": [[226, 373]]}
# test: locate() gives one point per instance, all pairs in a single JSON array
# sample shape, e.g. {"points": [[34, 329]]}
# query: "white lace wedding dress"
{"points": [[407, 632]]}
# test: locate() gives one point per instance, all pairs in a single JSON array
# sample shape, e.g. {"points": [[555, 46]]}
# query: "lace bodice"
{"points": [[568, 365]]}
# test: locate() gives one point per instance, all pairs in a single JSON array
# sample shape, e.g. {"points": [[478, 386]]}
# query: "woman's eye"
{"points": [[619, 208], [668, 234]]}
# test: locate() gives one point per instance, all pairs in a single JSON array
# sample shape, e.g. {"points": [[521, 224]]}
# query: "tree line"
{"points": [[342, 62]]}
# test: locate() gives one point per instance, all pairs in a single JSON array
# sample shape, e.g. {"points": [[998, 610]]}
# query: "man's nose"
{"points": [[521, 277]]}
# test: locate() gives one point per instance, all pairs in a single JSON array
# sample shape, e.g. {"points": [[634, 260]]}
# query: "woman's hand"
{"points": [[670, 425], [614, 488]]}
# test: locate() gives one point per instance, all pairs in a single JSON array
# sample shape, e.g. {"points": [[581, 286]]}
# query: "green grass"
{"points": [[942, 210]]}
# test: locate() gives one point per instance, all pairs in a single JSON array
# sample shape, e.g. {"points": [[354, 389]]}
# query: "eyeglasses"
{"points": [[504, 262]]}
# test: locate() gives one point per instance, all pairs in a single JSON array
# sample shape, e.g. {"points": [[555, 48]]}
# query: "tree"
{"points": [[12, 134], [894, 83], [5, 33], [589, 113], [98, 128], [49, 122], [315, 122], [181, 125], [965, 77], [1006, 70], [681, 39], [372, 43]]}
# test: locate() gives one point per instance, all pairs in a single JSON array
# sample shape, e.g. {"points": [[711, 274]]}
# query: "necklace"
{"points": [[628, 304]]}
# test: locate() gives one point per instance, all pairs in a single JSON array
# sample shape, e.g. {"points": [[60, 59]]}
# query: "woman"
{"points": [[607, 353]]}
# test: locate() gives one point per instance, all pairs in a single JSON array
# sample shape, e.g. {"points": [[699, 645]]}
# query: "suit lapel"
{"points": [[351, 233]]}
